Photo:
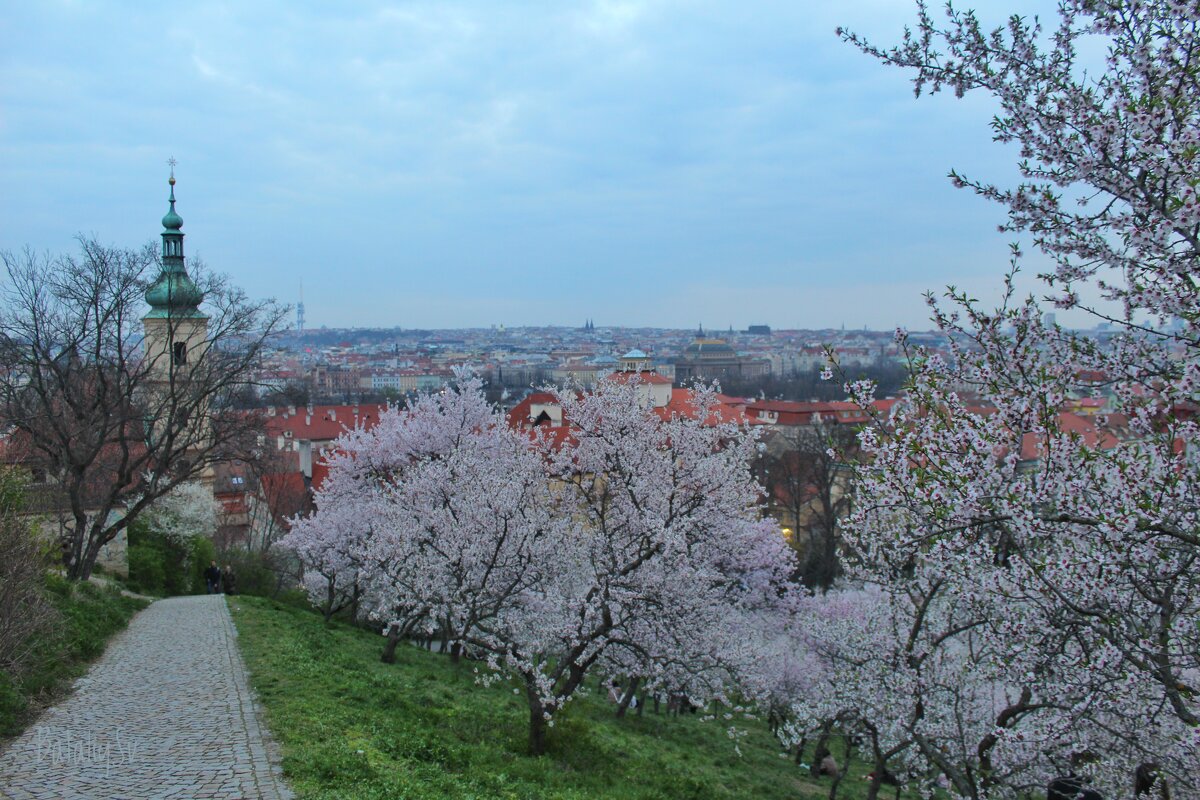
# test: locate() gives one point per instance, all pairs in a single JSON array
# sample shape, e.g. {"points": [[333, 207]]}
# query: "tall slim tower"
{"points": [[300, 310], [176, 330]]}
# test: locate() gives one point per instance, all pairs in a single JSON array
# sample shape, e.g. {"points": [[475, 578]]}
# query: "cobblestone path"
{"points": [[165, 713]]}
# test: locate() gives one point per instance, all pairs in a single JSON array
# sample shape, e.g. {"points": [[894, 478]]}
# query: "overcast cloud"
{"points": [[452, 164]]}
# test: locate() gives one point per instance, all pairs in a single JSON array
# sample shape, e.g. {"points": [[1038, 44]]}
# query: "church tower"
{"points": [[176, 330]]}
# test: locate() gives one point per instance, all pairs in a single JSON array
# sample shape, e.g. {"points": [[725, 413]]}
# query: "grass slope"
{"points": [[353, 727], [89, 615]]}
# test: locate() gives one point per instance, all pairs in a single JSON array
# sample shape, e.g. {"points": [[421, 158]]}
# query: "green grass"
{"points": [[89, 615], [352, 727]]}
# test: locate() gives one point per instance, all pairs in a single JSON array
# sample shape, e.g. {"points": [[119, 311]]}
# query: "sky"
{"points": [[464, 164]]}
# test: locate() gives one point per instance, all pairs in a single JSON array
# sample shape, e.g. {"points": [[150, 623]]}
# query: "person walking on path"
{"points": [[212, 577], [227, 580]]}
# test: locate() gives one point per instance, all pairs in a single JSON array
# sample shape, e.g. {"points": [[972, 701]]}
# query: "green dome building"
{"points": [[174, 295], [176, 330]]}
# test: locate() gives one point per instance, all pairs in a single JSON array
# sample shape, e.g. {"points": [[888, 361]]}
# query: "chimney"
{"points": [[332, 414], [306, 459]]}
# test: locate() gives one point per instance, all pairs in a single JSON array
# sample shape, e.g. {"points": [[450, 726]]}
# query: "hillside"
{"points": [[353, 727]]}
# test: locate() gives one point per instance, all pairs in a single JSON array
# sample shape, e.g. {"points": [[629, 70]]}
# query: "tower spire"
{"points": [[174, 294]]}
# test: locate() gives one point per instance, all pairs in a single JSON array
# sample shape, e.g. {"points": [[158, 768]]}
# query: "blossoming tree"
{"points": [[668, 553], [186, 511], [1055, 570], [633, 548]]}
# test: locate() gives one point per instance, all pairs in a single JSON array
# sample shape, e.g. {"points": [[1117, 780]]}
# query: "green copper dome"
{"points": [[174, 295]]}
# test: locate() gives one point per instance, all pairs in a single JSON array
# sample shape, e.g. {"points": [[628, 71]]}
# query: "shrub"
{"points": [[146, 571], [87, 616], [161, 564], [25, 612], [273, 574]]}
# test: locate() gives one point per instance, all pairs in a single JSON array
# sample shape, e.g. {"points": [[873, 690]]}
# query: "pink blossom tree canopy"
{"points": [[1053, 571], [634, 548]]}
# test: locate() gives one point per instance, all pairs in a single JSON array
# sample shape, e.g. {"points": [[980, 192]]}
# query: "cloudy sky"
{"points": [[451, 164]]}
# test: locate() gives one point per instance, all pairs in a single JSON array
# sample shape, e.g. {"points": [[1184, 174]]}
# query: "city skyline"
{"points": [[460, 165]]}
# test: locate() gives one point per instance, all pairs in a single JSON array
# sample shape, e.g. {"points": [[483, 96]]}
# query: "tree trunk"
{"points": [[623, 706], [800, 751], [844, 770], [833, 787], [822, 745], [80, 569], [389, 649], [455, 653], [329, 595], [537, 727], [876, 780], [84, 551], [880, 770]]}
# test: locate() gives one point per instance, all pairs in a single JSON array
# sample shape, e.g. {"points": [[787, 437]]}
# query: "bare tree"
{"points": [[276, 493], [807, 479], [114, 416]]}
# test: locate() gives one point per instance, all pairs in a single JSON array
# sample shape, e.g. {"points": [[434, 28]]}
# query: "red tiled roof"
{"points": [[520, 414], [1092, 434], [728, 409], [320, 471], [643, 377], [681, 404], [325, 423], [788, 412]]}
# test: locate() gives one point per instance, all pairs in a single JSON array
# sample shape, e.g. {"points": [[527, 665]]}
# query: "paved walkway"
{"points": [[165, 713]]}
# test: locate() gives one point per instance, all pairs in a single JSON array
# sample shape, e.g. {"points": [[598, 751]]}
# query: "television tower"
{"points": [[300, 310]]}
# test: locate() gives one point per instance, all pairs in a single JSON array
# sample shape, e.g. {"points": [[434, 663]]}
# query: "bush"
{"points": [[253, 573], [26, 614], [146, 571], [160, 564], [272, 574], [49, 627], [88, 615]]}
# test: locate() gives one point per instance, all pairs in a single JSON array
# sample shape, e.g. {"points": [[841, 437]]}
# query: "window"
{"points": [[179, 353]]}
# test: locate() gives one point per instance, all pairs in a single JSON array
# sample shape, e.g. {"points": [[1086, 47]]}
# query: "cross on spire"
{"points": [[171, 162]]}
